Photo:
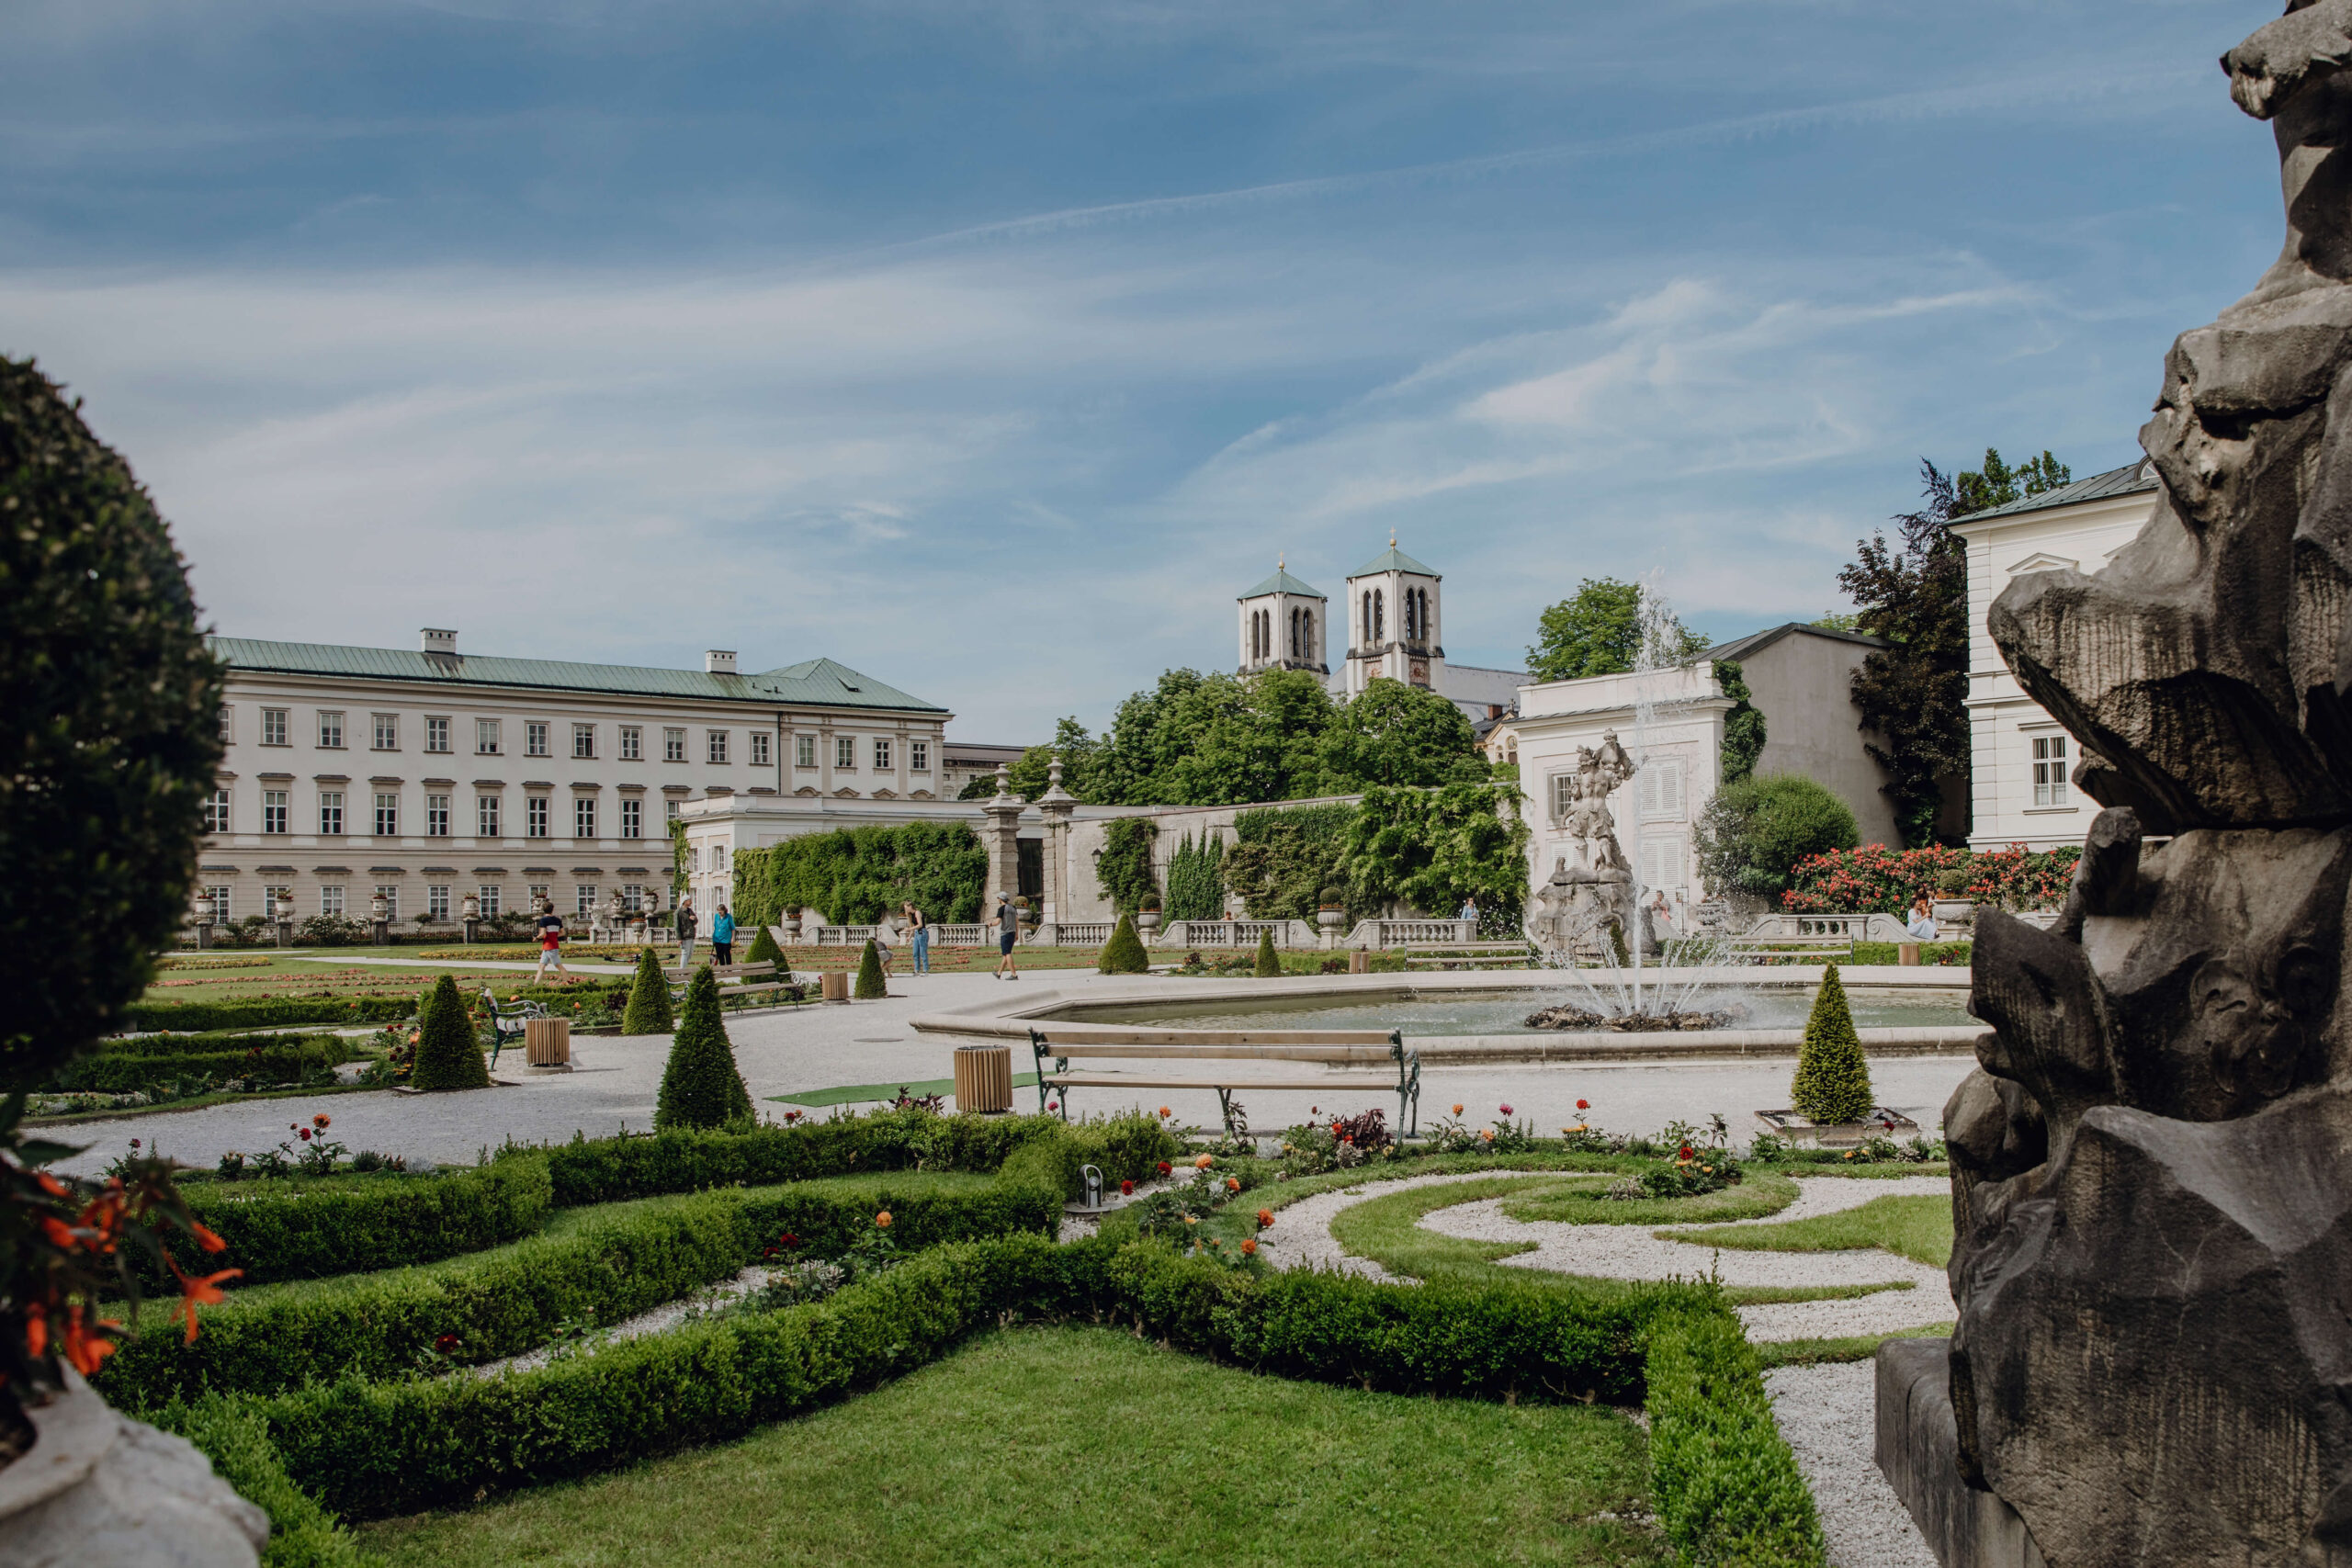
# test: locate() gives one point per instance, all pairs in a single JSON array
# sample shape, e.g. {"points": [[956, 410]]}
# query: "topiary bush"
{"points": [[447, 1054], [763, 950], [701, 1086], [1833, 1081], [648, 998], [1268, 965], [1754, 833], [1123, 953], [869, 986], [114, 734]]}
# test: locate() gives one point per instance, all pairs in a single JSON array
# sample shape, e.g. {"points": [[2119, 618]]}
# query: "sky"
{"points": [[993, 349]]}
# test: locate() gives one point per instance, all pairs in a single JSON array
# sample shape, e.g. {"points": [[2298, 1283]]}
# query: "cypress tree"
{"points": [[1269, 965], [648, 998], [764, 951], [869, 975], [701, 1088], [447, 1054], [1833, 1081], [1123, 953]]}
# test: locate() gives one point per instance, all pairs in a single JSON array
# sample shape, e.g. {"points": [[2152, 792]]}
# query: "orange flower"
{"points": [[194, 1291], [1204, 1162], [205, 1239], [883, 1219], [87, 1348], [1165, 1113], [1265, 1218], [36, 1330], [1191, 1220], [1233, 1184], [1457, 1111], [52, 1186], [320, 1120], [60, 1236], [1249, 1246]]}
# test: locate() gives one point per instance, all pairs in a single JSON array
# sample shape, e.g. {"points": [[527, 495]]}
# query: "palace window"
{"points": [[2050, 770], [534, 737], [633, 897], [272, 726], [535, 817], [436, 900], [583, 740], [228, 724], [273, 811], [436, 733], [761, 756], [919, 756], [845, 753], [331, 732], [387, 727], [673, 745], [1661, 784], [331, 898], [717, 738], [331, 811], [539, 895], [216, 812], [486, 816], [487, 895], [804, 751], [632, 743], [632, 817], [219, 899], [1564, 794], [584, 897], [390, 894], [436, 815], [388, 815], [486, 737], [881, 755], [583, 815]]}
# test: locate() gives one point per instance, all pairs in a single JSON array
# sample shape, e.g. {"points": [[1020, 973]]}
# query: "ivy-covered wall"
{"points": [[856, 874]]}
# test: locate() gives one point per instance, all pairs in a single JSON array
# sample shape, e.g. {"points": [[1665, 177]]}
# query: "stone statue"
{"points": [[2152, 1173], [1592, 885]]}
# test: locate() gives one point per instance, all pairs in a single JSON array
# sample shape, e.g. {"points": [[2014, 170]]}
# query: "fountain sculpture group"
{"points": [[1591, 887], [2152, 1184]]}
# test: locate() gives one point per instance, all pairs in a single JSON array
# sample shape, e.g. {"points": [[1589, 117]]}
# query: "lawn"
{"points": [[1082, 1446], [1918, 1227]]}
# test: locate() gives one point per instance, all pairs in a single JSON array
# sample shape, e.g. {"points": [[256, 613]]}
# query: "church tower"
{"points": [[1394, 623], [1281, 625]]}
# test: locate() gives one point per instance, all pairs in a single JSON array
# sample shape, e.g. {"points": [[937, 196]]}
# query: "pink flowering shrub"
{"points": [[1874, 877]]}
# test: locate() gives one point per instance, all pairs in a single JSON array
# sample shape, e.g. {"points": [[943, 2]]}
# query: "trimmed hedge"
{"points": [[262, 1012], [512, 1300], [649, 1000], [701, 1086], [1123, 953], [281, 1058], [869, 986], [299, 1228], [448, 1052], [1726, 1486], [1833, 1077], [1956, 953], [236, 1438]]}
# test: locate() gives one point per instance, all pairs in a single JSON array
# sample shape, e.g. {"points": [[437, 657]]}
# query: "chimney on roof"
{"points": [[439, 640], [718, 661]]}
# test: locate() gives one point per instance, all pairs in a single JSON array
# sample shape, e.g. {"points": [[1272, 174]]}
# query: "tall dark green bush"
{"points": [[1755, 831], [1284, 857], [1196, 879], [1742, 727], [113, 731], [1268, 965], [1123, 953], [1123, 868], [701, 1086], [869, 975], [447, 1054], [1434, 848], [648, 998], [1833, 1081]]}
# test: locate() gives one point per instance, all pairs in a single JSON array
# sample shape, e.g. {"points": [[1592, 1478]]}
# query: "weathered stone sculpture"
{"points": [[2152, 1181], [1591, 887]]}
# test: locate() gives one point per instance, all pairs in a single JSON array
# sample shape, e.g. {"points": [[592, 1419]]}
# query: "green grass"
{"points": [[1085, 1446], [1852, 1347], [1388, 1231], [1918, 1227], [1582, 1204], [857, 1093]]}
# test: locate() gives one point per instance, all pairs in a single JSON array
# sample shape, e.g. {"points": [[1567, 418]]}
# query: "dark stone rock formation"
{"points": [[2152, 1181]]}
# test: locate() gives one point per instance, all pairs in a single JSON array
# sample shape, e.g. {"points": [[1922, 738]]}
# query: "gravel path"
{"points": [[1827, 1414], [668, 1316]]}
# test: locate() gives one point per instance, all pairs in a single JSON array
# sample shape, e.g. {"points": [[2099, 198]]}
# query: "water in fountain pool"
{"points": [[1506, 1012]]}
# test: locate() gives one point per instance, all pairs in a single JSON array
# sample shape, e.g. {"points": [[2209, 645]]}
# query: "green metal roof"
{"points": [[817, 682], [1390, 559], [2126, 481], [1282, 582]]}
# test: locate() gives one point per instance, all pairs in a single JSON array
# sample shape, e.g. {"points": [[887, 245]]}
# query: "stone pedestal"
{"points": [[1056, 806], [1918, 1452], [1326, 925], [1002, 838]]}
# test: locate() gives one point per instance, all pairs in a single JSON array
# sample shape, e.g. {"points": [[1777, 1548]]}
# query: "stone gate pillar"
{"points": [[1002, 837], [1055, 806]]}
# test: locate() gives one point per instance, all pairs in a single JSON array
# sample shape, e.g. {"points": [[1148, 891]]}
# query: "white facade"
{"points": [[1396, 624], [2020, 762], [426, 776], [1670, 722], [1282, 625]]}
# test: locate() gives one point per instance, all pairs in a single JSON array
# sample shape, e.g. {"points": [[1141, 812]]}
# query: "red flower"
{"points": [[1506, 1109], [134, 1143], [1685, 1151], [305, 1133], [446, 1343], [1165, 1167], [1584, 1105], [1126, 1189]]}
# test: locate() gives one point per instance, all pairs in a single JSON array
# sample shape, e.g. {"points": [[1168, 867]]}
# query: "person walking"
{"points": [[917, 938], [722, 937], [551, 926], [686, 927], [1006, 923]]}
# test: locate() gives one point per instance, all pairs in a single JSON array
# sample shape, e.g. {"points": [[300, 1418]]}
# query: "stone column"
{"points": [[1055, 806], [1002, 837]]}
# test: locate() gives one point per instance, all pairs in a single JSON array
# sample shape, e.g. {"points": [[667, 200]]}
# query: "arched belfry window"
{"points": [[1364, 622], [1307, 634], [1379, 615]]}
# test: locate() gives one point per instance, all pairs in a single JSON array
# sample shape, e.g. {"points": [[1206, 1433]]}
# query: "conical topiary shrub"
{"points": [[1123, 953], [447, 1054], [764, 951], [1268, 965], [701, 1086], [1833, 1081], [869, 975], [648, 998]]}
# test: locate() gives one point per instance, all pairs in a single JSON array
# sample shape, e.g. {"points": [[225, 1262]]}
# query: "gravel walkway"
{"points": [[668, 1316], [1827, 1413]]}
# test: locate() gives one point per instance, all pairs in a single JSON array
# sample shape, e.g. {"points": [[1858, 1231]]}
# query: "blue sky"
{"points": [[993, 349]]}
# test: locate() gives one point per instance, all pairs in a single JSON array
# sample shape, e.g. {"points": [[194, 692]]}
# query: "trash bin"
{"points": [[547, 1043], [984, 1079]]}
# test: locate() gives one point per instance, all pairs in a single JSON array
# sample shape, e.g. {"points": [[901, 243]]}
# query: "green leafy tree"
{"points": [[1283, 856], [447, 1054], [1430, 850], [648, 998], [1743, 725], [1123, 953], [1838, 621], [701, 1086], [869, 975], [1913, 592], [113, 731], [1833, 1080], [1268, 966], [1396, 734], [1123, 868], [1599, 632], [1754, 831]]}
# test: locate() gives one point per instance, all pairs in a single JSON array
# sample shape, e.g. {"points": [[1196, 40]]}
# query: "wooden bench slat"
{"points": [[1106, 1034], [1112, 1080], [1229, 1053]]}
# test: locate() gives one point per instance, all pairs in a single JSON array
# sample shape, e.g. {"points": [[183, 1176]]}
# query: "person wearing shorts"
{"points": [[722, 937], [551, 941], [1008, 932]]}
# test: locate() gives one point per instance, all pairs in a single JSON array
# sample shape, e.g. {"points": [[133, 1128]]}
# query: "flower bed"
{"points": [[1877, 879]]}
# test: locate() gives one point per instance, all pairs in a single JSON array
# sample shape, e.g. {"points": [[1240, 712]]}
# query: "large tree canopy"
{"points": [[1914, 592], [1599, 632]]}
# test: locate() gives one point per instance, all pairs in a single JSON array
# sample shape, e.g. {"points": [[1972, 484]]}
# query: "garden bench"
{"points": [[1053, 1074], [749, 979], [508, 1019], [1455, 954], [1752, 948]]}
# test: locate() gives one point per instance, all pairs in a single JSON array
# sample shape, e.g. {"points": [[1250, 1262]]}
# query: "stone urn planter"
{"points": [[1950, 912], [1327, 921], [1147, 924], [99, 1489], [790, 926], [1807, 1133]]}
